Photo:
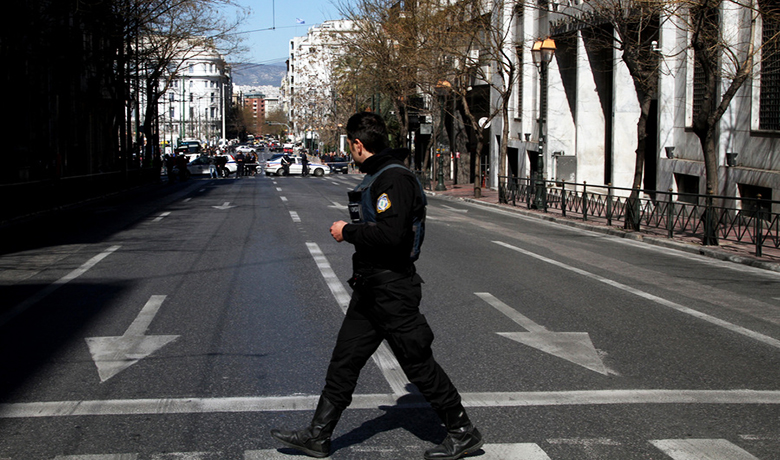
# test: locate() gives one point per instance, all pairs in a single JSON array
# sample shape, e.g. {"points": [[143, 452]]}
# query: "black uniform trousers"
{"points": [[388, 311]]}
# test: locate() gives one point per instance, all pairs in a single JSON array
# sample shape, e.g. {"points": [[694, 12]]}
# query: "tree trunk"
{"points": [[633, 206]]}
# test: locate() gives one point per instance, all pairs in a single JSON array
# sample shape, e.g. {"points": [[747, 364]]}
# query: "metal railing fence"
{"points": [[709, 217]]}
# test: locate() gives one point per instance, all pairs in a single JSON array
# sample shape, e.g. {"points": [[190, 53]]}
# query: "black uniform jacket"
{"points": [[397, 197]]}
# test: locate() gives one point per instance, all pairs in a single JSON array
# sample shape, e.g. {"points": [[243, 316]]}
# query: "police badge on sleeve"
{"points": [[383, 203]]}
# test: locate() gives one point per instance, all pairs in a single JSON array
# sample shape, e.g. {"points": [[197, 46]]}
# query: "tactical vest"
{"points": [[362, 209]]}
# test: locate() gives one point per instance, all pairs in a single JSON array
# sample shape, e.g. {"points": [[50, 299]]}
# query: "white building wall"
{"points": [[590, 122], [626, 112], [758, 160]]}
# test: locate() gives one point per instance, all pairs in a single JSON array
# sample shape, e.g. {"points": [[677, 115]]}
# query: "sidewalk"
{"points": [[742, 253]]}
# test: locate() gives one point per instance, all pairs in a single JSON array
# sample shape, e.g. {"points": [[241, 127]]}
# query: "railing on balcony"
{"points": [[708, 217]]}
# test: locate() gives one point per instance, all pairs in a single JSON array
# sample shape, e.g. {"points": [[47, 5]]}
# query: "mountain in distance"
{"points": [[247, 74]]}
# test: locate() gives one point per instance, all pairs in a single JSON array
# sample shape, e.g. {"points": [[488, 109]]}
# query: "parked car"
{"points": [[339, 166], [246, 148], [200, 166], [288, 148], [274, 168]]}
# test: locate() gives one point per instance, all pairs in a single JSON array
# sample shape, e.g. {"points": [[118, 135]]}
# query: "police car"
{"points": [[274, 167]]}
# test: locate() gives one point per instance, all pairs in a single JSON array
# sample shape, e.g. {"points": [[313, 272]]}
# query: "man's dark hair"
{"points": [[370, 128]]}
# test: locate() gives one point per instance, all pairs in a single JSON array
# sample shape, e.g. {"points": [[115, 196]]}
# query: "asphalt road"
{"points": [[188, 320]]}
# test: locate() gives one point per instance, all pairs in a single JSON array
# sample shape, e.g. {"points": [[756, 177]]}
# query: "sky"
{"points": [[273, 23]]}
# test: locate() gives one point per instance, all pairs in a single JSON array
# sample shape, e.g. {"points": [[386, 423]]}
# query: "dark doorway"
{"points": [[651, 148], [513, 160]]}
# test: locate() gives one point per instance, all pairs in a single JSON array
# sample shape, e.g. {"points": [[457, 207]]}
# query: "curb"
{"points": [[662, 242]]}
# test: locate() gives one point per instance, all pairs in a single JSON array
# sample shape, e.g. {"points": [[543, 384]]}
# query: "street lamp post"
{"points": [[542, 53]]}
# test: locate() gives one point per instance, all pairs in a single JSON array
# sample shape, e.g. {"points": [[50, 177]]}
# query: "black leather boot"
{"points": [[462, 439], [315, 439]]}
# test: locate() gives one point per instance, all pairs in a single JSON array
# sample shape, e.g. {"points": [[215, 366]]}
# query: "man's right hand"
{"points": [[336, 230]]}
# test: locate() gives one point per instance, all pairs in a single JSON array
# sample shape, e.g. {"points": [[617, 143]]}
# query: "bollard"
{"points": [[670, 216], [563, 198], [759, 229], [584, 200]]}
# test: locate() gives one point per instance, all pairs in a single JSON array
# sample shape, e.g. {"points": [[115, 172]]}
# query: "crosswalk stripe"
{"points": [[676, 449], [526, 451], [189, 456], [266, 454], [98, 457], [702, 449]]}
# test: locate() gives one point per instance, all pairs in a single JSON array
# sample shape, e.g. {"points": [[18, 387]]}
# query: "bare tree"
{"points": [[163, 32], [478, 37], [630, 27]]}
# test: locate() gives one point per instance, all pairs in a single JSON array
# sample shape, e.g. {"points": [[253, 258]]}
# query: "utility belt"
{"points": [[362, 280]]}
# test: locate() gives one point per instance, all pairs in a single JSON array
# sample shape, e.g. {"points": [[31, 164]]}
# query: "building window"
{"points": [[687, 187], [769, 102], [172, 113], [170, 97], [192, 68], [751, 195], [213, 112]]}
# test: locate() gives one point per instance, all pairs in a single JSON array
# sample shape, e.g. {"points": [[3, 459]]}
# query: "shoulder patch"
{"points": [[383, 203]]}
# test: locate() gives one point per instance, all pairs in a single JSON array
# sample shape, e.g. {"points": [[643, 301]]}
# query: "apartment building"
{"points": [[196, 98]]}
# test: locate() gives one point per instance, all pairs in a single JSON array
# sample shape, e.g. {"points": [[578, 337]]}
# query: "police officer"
{"points": [[388, 216]]}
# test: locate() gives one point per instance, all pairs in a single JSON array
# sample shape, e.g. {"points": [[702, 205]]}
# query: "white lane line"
{"points": [[98, 457], [283, 198], [24, 305], [659, 300], [450, 208], [702, 449], [186, 200], [162, 406], [383, 357], [278, 189], [295, 217], [162, 216]]}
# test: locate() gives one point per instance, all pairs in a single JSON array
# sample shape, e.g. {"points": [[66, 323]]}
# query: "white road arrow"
{"points": [[226, 205], [575, 347], [112, 355]]}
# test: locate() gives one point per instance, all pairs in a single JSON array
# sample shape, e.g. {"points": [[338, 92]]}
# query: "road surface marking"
{"points": [[37, 297], [163, 406], [283, 198], [702, 449], [112, 355], [659, 300], [225, 205], [162, 216], [295, 217], [98, 457], [575, 347], [383, 357]]}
